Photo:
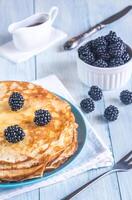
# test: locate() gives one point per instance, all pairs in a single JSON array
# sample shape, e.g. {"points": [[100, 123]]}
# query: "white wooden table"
{"points": [[74, 17]]}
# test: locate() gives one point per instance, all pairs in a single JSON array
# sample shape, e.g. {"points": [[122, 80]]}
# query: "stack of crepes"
{"points": [[43, 147]]}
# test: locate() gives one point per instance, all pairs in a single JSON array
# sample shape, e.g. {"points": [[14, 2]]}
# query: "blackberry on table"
{"points": [[42, 117], [116, 62], [111, 113], [87, 105], [16, 101], [100, 63], [95, 93], [126, 97], [14, 134]]}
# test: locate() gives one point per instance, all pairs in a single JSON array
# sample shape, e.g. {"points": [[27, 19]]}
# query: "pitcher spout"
{"points": [[12, 28]]}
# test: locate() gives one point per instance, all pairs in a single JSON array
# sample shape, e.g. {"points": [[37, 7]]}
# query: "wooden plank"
{"points": [[33, 195], [120, 132], [11, 11]]}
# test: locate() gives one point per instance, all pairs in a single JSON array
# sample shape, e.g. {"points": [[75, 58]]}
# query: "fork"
{"points": [[123, 165]]}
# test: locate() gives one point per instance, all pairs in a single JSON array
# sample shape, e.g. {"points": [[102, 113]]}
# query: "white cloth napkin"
{"points": [[10, 52], [93, 155]]}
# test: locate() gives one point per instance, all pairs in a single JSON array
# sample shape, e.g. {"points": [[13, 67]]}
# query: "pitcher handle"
{"points": [[53, 13]]}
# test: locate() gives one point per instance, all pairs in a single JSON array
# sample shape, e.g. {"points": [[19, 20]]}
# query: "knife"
{"points": [[75, 41]]}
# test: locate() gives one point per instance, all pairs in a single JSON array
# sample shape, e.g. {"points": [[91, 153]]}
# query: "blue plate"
{"points": [[81, 141]]}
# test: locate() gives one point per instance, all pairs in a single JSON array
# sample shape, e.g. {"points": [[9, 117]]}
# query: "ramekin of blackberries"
{"points": [[105, 61]]}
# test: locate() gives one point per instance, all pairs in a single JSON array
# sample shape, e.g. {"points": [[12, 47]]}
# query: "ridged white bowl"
{"points": [[106, 78]]}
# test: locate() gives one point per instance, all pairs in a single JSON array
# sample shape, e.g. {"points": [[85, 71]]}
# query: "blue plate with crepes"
{"points": [[82, 130]]}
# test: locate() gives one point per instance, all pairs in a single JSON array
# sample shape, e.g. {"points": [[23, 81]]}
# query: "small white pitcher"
{"points": [[32, 32]]}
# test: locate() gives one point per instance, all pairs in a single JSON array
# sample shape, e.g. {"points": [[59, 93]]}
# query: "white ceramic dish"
{"points": [[29, 33], [105, 78], [10, 52]]}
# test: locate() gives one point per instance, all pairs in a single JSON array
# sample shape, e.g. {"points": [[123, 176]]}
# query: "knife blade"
{"points": [[75, 41], [116, 16]]}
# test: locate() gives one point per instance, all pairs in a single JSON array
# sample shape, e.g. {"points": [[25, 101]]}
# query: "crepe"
{"points": [[43, 147]]}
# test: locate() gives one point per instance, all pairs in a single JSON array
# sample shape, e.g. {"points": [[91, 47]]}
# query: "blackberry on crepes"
{"points": [[126, 97], [14, 134], [87, 105], [111, 113], [100, 63], [42, 117], [116, 62], [95, 93], [16, 101]]}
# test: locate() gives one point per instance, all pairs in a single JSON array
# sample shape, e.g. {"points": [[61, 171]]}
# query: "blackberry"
{"points": [[100, 41], [93, 45], [88, 45], [88, 57], [111, 37], [100, 51], [117, 49], [115, 62], [42, 117], [14, 134], [82, 51], [16, 101], [126, 97], [106, 56], [126, 57], [95, 93], [111, 113], [87, 105], [100, 63]]}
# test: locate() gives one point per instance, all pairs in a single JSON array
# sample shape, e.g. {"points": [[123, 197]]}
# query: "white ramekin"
{"points": [[106, 78]]}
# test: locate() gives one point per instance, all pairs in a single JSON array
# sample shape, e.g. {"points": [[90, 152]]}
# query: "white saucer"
{"points": [[10, 52]]}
